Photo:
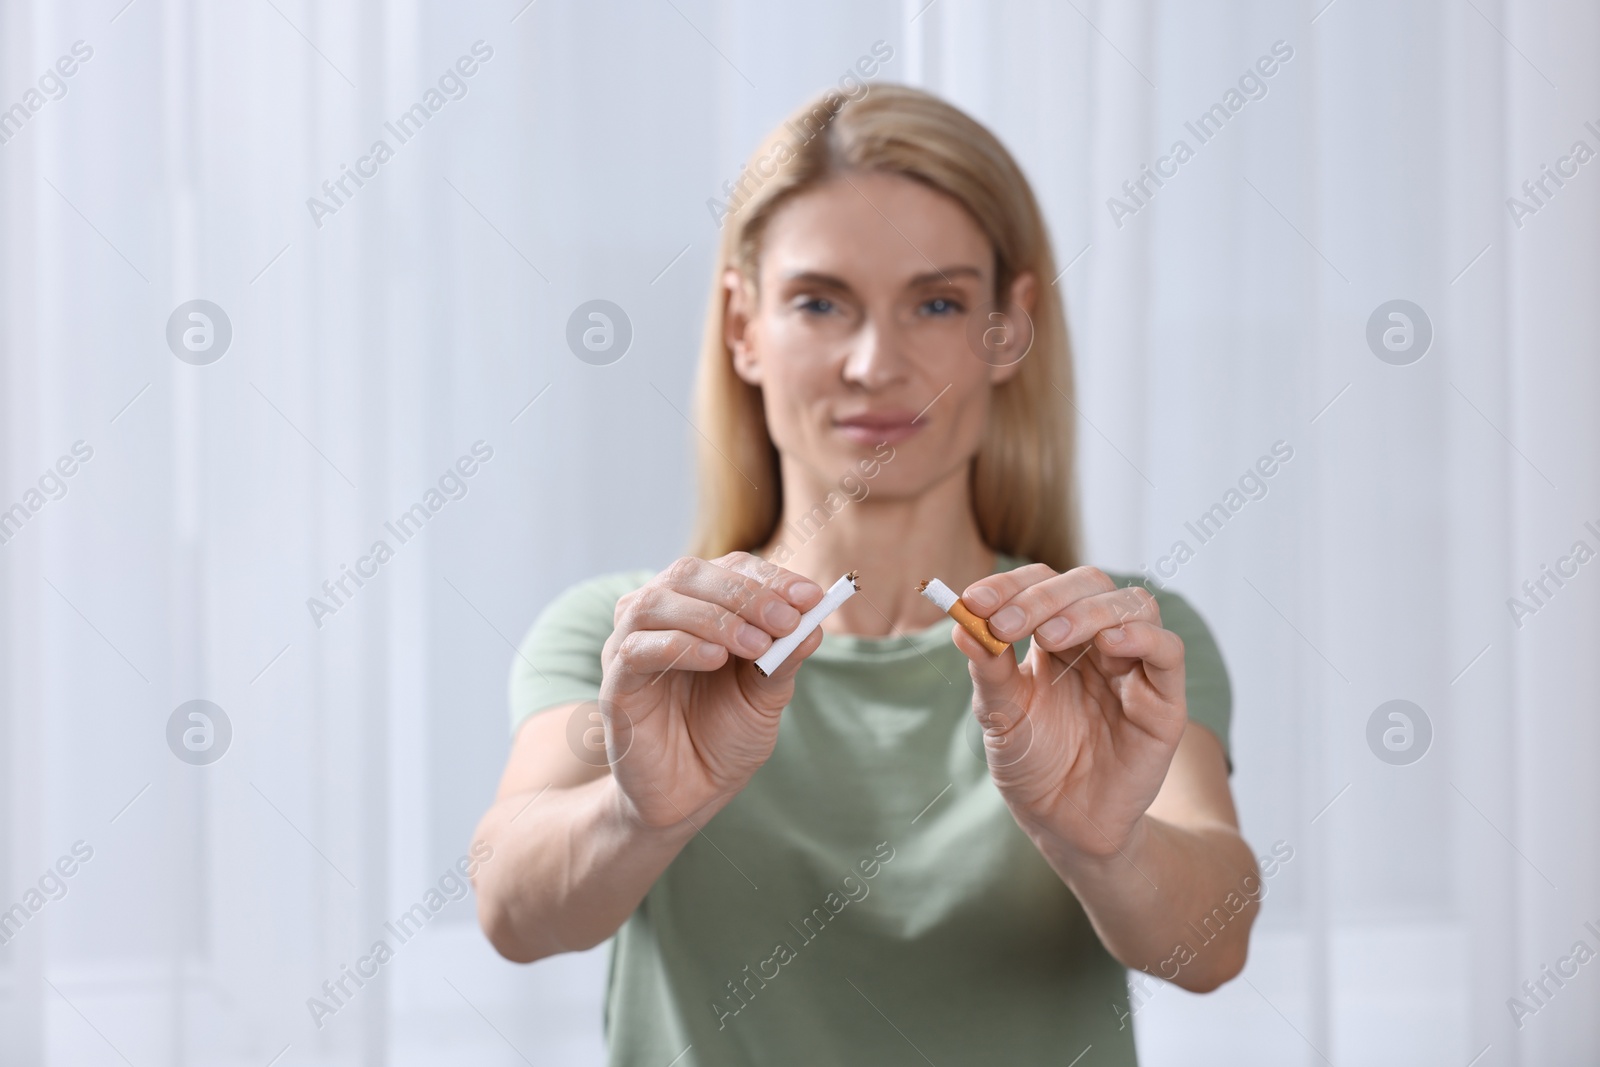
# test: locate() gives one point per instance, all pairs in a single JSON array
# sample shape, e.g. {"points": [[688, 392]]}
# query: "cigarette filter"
{"points": [[773, 658], [951, 605]]}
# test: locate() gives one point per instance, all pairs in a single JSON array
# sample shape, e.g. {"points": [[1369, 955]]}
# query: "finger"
{"points": [[658, 607], [996, 681], [1053, 666], [1095, 687], [791, 663], [797, 589], [1021, 613], [641, 656], [1125, 698], [1088, 680], [986, 594], [998, 700], [1077, 621], [734, 592], [1160, 651]]}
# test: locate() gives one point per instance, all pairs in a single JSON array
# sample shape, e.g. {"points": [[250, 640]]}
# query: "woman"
{"points": [[898, 847]]}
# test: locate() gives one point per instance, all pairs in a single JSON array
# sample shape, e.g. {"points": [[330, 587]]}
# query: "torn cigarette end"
{"points": [[951, 605], [842, 590]]}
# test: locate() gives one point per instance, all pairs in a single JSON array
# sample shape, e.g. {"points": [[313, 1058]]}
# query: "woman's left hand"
{"points": [[1078, 735]]}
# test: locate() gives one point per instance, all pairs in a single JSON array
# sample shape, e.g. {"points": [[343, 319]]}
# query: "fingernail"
{"points": [[751, 639], [779, 615], [1055, 629], [1008, 619], [981, 599], [805, 590], [1114, 635]]}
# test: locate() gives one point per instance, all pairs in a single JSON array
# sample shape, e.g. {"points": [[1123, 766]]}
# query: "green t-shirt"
{"points": [[868, 896]]}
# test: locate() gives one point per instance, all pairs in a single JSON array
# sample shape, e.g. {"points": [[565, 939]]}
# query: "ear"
{"points": [[1019, 309], [738, 308]]}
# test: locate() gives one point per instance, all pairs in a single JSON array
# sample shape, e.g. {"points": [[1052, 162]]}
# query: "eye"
{"points": [[942, 305], [816, 305]]}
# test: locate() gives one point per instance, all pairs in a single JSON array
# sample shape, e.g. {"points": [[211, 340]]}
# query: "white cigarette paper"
{"points": [[940, 594], [773, 658]]}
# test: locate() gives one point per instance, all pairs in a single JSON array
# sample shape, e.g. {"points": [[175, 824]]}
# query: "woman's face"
{"points": [[874, 293]]}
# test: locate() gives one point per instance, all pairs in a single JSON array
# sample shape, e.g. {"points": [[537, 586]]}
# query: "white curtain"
{"points": [[383, 332]]}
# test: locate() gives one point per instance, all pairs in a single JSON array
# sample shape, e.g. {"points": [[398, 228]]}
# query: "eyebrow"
{"points": [[936, 275]]}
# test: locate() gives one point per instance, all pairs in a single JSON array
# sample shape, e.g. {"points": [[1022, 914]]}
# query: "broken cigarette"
{"points": [[773, 658], [951, 605]]}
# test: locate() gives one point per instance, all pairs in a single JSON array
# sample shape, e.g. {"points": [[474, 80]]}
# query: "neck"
{"points": [[892, 543]]}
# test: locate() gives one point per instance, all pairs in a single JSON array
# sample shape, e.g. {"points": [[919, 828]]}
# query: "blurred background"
{"points": [[1382, 257]]}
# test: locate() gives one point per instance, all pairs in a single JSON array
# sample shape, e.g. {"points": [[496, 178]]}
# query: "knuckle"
{"points": [[649, 600], [740, 591], [630, 653], [624, 603], [681, 569], [768, 576], [745, 564], [1095, 576]]}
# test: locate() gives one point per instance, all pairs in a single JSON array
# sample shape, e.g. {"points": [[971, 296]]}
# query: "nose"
{"points": [[877, 356]]}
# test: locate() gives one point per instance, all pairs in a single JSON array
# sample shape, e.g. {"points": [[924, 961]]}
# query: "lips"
{"points": [[875, 427]]}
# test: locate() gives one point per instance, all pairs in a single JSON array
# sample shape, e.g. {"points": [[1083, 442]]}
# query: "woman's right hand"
{"points": [[688, 718]]}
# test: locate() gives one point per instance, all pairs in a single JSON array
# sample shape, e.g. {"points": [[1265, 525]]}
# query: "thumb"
{"points": [[997, 683], [772, 692]]}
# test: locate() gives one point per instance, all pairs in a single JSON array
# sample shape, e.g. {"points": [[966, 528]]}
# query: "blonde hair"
{"points": [[1023, 485]]}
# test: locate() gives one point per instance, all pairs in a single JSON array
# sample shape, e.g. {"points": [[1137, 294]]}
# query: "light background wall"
{"points": [[369, 352]]}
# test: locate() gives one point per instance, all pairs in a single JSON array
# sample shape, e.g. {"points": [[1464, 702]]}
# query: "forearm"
{"points": [[568, 868], [1176, 902]]}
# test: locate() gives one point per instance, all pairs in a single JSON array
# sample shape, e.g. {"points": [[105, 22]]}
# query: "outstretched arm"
{"points": [[1179, 898]]}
